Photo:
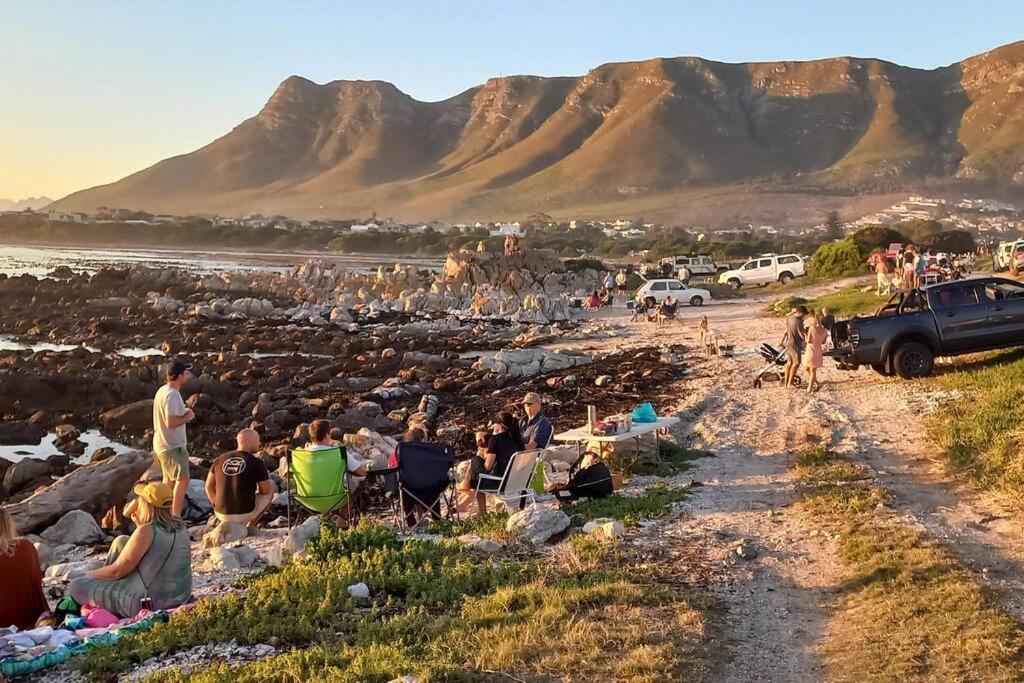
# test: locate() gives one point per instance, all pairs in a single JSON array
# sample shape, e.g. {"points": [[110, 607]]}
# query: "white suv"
{"points": [[697, 265], [765, 269], [660, 289]]}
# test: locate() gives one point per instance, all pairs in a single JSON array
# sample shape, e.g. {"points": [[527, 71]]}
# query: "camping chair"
{"points": [[515, 483], [424, 479], [320, 478]]}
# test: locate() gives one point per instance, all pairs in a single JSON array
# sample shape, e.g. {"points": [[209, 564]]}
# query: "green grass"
{"points": [[654, 502], [820, 464], [489, 525], [907, 610], [439, 613], [982, 433], [844, 303]]}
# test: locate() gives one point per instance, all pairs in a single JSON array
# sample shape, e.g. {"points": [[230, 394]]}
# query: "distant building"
{"points": [[506, 229]]}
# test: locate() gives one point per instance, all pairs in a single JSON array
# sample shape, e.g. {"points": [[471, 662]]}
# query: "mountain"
{"points": [[663, 136], [34, 203]]}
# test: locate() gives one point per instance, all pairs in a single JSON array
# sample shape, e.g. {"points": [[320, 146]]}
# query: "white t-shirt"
{"points": [[166, 403], [354, 463]]}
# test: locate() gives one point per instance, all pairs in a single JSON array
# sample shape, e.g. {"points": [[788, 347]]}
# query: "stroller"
{"points": [[776, 362]]}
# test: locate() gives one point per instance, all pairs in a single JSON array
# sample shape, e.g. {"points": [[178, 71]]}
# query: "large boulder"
{"points": [[224, 533], [93, 488], [23, 472], [537, 523], [21, 433], [132, 417], [71, 570], [75, 528], [229, 559]]}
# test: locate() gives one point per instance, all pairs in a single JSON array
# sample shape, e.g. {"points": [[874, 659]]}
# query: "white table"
{"points": [[581, 434]]}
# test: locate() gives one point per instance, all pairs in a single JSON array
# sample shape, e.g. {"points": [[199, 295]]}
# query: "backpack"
{"points": [[592, 482]]}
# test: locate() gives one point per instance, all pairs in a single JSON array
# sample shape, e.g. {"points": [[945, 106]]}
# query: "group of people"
{"points": [[807, 333], [909, 268], [152, 567], [651, 311]]}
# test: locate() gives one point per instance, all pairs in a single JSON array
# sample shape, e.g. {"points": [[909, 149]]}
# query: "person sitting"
{"points": [[320, 440], [667, 310], [504, 442], [21, 591], [536, 429], [238, 484], [152, 569], [593, 301]]}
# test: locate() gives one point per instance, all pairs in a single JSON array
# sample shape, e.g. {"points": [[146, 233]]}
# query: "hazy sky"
{"points": [[92, 91]]}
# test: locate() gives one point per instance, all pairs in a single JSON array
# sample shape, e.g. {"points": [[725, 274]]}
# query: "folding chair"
{"points": [[424, 479], [320, 478], [515, 483]]}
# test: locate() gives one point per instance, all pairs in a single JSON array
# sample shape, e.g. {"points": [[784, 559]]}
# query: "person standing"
{"points": [[170, 442], [620, 282], [609, 282], [239, 485], [684, 275], [794, 343], [814, 350], [882, 276]]}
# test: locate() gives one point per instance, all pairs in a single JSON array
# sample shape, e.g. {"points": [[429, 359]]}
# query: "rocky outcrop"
{"points": [[21, 433], [132, 417], [92, 488]]}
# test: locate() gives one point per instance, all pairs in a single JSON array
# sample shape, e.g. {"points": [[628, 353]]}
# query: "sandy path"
{"points": [[778, 604]]}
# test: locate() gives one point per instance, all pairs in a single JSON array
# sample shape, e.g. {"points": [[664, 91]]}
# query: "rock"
{"points": [[66, 433], [21, 433], [359, 591], [300, 535], [93, 488], [605, 528], [134, 417], [224, 533], [603, 380], [45, 552], [537, 523], [72, 570], [229, 559], [746, 550], [101, 454], [22, 472], [77, 528], [484, 545]]}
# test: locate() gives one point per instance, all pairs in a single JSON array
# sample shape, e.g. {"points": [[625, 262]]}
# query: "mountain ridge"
{"points": [[652, 135]]}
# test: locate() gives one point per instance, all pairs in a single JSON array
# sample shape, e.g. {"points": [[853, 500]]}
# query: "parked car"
{"points": [[699, 264], [660, 288], [905, 334], [1007, 250], [765, 269]]}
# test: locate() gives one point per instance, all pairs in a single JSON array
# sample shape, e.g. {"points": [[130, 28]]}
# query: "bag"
{"points": [[592, 482], [644, 413]]}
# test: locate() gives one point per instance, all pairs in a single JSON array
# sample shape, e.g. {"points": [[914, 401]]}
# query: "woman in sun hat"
{"points": [[151, 569]]}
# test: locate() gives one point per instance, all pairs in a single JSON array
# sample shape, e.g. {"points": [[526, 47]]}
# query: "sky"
{"points": [[93, 91]]}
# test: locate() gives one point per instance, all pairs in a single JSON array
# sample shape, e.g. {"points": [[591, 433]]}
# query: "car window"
{"points": [[788, 259], [954, 297], [749, 265], [675, 285], [764, 263], [998, 291], [659, 287]]}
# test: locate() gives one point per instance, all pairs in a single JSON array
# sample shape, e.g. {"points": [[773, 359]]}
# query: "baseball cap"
{"points": [[531, 398], [175, 369], [156, 493]]}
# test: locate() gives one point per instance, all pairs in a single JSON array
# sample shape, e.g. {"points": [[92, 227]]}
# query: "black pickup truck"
{"points": [[905, 334]]}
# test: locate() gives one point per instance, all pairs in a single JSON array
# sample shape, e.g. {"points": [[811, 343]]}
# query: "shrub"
{"points": [[654, 502], [836, 259]]}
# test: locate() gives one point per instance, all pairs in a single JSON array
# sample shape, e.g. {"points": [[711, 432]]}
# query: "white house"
{"points": [[506, 229], [364, 227]]}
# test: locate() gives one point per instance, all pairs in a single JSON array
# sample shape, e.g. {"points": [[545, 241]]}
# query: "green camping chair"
{"points": [[320, 478]]}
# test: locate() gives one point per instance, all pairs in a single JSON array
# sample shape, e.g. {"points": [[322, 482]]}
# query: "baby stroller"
{"points": [[775, 363]]}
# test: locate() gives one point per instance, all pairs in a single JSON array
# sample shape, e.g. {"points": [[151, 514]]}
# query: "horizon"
{"points": [[94, 95]]}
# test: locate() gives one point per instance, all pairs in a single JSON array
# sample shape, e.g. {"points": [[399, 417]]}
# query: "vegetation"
{"points": [[836, 259], [672, 459], [843, 303], [438, 614], [654, 502], [908, 610], [981, 434]]}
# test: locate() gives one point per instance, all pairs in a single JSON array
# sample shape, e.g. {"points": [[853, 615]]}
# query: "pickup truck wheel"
{"points": [[881, 369], [786, 278], [913, 359], [735, 283], [697, 300]]}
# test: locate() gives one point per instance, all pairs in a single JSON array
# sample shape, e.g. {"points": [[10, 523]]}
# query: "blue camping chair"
{"points": [[425, 481]]}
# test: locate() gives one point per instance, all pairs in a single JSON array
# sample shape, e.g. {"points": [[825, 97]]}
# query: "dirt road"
{"points": [[778, 604]]}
